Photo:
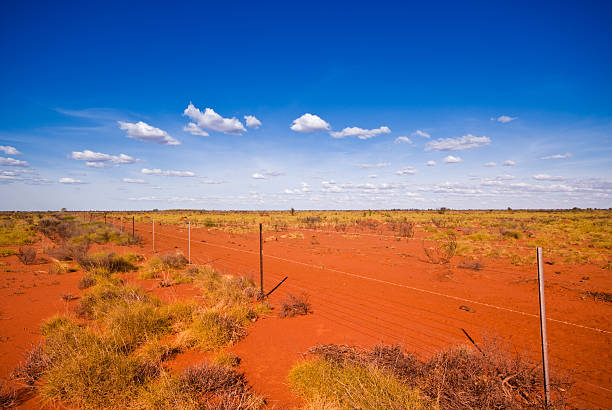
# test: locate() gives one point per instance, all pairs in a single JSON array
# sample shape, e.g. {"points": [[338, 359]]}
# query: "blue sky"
{"points": [[350, 105]]}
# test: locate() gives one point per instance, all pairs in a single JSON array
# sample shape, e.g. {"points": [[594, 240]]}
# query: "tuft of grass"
{"points": [[27, 255], [110, 261], [59, 268], [295, 305], [87, 281], [35, 362], [228, 359], [4, 252], [352, 386], [211, 329]]}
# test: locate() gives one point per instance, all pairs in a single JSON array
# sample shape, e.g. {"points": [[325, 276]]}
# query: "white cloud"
{"points": [[509, 163], [11, 162], [379, 165], [101, 160], [252, 121], [403, 139], [431, 163], [193, 129], [210, 120], [310, 123], [406, 171], [274, 173], [373, 176], [158, 171], [452, 159], [490, 164], [419, 133], [546, 177], [456, 144], [70, 181], [360, 133], [134, 181], [8, 150], [558, 156], [503, 119], [145, 132], [258, 176]]}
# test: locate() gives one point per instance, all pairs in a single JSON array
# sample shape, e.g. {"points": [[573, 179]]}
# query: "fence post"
{"points": [[153, 235], [261, 260], [543, 327], [104, 218], [189, 240]]}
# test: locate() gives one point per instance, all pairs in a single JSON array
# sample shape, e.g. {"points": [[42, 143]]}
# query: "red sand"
{"points": [[356, 310]]}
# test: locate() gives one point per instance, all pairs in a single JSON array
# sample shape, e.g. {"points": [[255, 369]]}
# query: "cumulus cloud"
{"points": [[546, 177], [12, 162], [210, 120], [8, 150], [403, 139], [456, 144], [452, 159], [419, 133], [431, 163], [406, 171], [379, 165], [134, 181], [360, 133], [252, 121], [193, 129], [558, 156], [490, 164], [70, 181], [101, 160], [145, 132], [503, 119], [158, 171], [509, 163], [257, 175], [310, 123]]}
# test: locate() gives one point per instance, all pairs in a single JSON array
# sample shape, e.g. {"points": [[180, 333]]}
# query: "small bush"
{"points": [[35, 362], [110, 261], [58, 268], [87, 281], [175, 261], [212, 329], [443, 251], [27, 255], [69, 251], [295, 305]]}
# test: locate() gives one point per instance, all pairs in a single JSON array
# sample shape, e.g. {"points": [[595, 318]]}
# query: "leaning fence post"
{"points": [[153, 235], [543, 327], [261, 260]]}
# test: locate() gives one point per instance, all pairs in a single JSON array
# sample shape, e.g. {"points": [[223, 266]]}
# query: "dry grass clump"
{"points": [[457, 378], [163, 265], [295, 305], [59, 268], [68, 251], [87, 281], [8, 397], [34, 363], [443, 251], [27, 255], [603, 296], [109, 261]]}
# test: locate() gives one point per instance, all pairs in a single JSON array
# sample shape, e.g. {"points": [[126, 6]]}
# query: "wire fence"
{"points": [[416, 317]]}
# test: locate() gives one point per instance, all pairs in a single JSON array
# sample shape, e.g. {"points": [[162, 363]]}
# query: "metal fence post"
{"points": [[543, 327]]}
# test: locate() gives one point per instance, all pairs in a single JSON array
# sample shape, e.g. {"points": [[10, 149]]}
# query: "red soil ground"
{"points": [[364, 290]]}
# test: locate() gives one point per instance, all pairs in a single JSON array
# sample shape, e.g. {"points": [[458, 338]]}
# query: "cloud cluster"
{"points": [[101, 160], [193, 129], [509, 163], [401, 139], [257, 175], [503, 119], [452, 159], [145, 132], [362, 134], [406, 171], [546, 177], [558, 156], [210, 120], [420, 133], [158, 171], [457, 144], [252, 121], [8, 150], [310, 123], [11, 162]]}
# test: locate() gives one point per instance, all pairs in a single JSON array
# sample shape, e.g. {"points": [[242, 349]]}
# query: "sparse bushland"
{"points": [[72, 230], [460, 377], [16, 231], [113, 357]]}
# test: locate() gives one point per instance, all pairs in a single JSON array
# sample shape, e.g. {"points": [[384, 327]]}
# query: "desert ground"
{"points": [[420, 279]]}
